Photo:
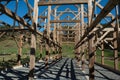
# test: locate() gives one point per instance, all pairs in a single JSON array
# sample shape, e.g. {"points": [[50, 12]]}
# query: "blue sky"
{"points": [[22, 9]]}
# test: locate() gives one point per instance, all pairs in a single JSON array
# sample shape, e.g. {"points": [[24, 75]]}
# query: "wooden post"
{"points": [[78, 35], [40, 47], [102, 55], [90, 43], [33, 41], [82, 33], [115, 41], [54, 32], [20, 47], [48, 34]]}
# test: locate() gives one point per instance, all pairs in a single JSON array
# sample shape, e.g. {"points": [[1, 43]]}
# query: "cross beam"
{"points": [[65, 21], [62, 2]]}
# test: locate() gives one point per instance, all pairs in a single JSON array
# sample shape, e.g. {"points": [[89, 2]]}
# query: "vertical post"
{"points": [[48, 35], [48, 28], [20, 47], [40, 47], [33, 41], [115, 41], [54, 32], [82, 32], [78, 38], [102, 55], [90, 43]]}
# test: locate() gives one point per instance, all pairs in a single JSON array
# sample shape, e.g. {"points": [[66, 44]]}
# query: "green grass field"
{"points": [[8, 46], [109, 58]]}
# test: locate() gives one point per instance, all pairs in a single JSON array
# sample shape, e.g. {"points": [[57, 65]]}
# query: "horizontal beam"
{"points": [[11, 30], [67, 29], [68, 42], [62, 2], [105, 29], [65, 21]]}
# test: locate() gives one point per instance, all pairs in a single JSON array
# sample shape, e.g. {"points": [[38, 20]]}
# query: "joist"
{"points": [[65, 21], [62, 2]]}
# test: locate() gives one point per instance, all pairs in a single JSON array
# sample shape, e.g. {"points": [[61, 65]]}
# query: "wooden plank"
{"points": [[62, 2], [65, 21]]}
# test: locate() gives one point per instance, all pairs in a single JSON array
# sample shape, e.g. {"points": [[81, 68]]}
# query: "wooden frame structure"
{"points": [[82, 32]]}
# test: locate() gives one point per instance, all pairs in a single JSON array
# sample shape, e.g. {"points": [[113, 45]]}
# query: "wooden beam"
{"points": [[102, 37], [65, 21], [68, 42], [33, 41], [11, 30], [82, 32], [20, 43], [115, 39], [62, 2], [67, 29], [1, 34], [102, 55], [43, 17], [90, 43]]}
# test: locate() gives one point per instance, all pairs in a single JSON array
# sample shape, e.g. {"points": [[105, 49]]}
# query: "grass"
{"points": [[68, 50], [107, 61], [8, 46]]}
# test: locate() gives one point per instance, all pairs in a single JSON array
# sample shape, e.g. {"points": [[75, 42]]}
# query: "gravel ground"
{"points": [[64, 69]]}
